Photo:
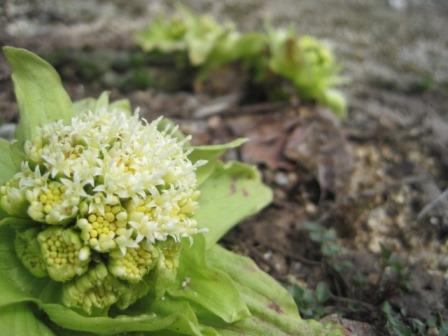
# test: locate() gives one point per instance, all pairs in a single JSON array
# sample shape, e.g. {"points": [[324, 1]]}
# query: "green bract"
{"points": [[96, 289], [109, 225], [29, 252], [306, 63], [12, 198]]}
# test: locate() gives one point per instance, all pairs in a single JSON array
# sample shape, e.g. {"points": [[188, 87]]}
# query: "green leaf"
{"points": [[96, 105], [104, 325], [273, 310], [102, 102], [3, 214], [15, 222], [443, 331], [16, 283], [39, 92], [206, 286], [394, 323], [186, 323], [336, 101], [17, 153], [246, 273], [167, 316], [91, 104], [123, 105], [233, 192], [167, 124], [84, 105], [8, 161], [322, 292], [202, 34], [211, 154], [19, 319], [164, 34], [232, 47]]}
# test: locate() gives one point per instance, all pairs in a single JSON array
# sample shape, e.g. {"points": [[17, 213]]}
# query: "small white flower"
{"points": [[126, 182]]}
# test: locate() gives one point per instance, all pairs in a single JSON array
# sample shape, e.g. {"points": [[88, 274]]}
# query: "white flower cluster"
{"points": [[120, 180]]}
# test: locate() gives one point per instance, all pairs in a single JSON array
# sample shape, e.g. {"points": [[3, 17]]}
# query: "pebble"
{"points": [[433, 331], [434, 220], [443, 262], [279, 195], [281, 179], [214, 122], [398, 4], [310, 208], [267, 255]]}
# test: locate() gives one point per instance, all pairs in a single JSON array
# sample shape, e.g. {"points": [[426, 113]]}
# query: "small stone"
{"points": [[433, 331], [374, 278], [310, 208], [434, 220], [280, 194], [443, 262], [267, 255], [214, 122], [398, 4], [281, 179]]}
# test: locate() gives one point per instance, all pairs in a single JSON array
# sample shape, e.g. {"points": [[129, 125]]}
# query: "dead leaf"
{"points": [[267, 138], [318, 144]]}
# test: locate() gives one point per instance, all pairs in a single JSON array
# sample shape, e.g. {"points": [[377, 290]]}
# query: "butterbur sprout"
{"points": [[109, 224], [304, 62], [107, 187]]}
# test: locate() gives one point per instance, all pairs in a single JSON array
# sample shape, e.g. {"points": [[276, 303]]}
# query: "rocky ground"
{"points": [[359, 223]]}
